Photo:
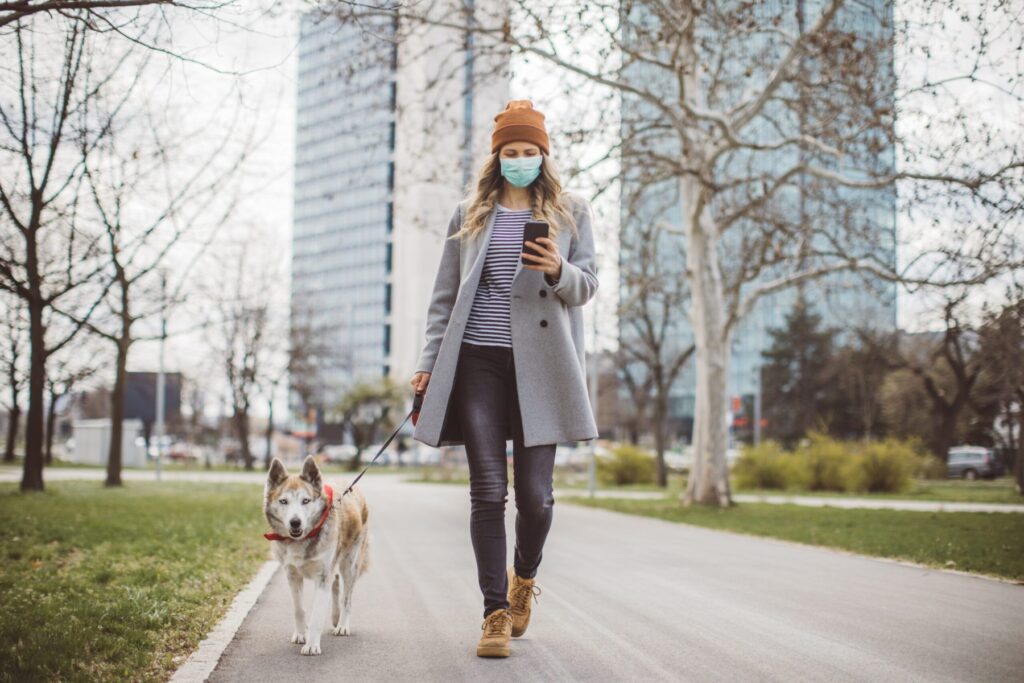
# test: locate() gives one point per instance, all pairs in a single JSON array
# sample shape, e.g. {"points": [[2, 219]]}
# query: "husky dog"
{"points": [[321, 535]]}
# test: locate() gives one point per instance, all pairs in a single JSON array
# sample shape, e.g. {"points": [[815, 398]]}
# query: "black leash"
{"points": [[417, 402]]}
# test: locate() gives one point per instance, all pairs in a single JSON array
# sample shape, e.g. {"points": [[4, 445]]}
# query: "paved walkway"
{"points": [[13, 474], [635, 599], [877, 503]]}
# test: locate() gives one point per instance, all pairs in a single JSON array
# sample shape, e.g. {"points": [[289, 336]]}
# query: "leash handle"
{"points": [[417, 403]]}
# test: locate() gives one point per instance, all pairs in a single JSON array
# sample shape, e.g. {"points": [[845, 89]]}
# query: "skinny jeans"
{"points": [[487, 405]]}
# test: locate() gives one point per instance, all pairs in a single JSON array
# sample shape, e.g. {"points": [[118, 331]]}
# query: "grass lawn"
{"points": [[119, 584], [987, 543]]}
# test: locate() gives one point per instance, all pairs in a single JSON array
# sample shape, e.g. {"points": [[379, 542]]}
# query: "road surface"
{"points": [[635, 599]]}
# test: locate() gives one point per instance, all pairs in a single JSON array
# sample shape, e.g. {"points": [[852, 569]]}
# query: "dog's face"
{"points": [[293, 503]]}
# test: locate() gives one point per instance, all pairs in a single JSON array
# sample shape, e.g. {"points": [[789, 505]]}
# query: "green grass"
{"points": [[986, 543], [119, 584]]}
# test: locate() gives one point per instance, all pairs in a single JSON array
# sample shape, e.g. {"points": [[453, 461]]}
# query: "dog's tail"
{"points": [[364, 553]]}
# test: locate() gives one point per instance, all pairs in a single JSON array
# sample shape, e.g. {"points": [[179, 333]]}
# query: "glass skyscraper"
{"points": [[375, 184], [344, 179]]}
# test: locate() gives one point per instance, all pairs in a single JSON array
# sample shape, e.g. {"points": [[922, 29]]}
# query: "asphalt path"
{"points": [[626, 598], [13, 475]]}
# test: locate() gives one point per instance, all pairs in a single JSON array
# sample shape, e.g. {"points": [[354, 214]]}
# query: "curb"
{"points": [[201, 663]]}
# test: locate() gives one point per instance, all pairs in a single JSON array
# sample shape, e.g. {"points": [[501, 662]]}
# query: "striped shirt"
{"points": [[490, 319]]}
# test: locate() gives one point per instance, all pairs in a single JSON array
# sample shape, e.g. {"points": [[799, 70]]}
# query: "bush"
{"points": [[882, 466], [824, 462], [627, 465], [767, 466]]}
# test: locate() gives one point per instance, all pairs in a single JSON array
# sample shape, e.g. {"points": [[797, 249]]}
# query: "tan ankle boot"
{"points": [[520, 591], [497, 628]]}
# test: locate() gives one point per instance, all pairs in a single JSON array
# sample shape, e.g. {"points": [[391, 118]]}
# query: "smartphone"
{"points": [[531, 231]]}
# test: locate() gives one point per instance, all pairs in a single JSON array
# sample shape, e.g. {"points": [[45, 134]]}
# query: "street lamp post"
{"points": [[594, 376], [160, 376]]}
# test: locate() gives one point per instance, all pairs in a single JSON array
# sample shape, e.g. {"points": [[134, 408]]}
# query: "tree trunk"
{"points": [[945, 430], [241, 422], [659, 436], [12, 431], [117, 416], [708, 482], [32, 474], [51, 416], [270, 433], [1019, 469]]}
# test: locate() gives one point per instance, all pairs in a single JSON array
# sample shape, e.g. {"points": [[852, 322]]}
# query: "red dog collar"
{"points": [[315, 531]]}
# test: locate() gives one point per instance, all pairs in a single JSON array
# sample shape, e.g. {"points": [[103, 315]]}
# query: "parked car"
{"points": [[971, 462]]}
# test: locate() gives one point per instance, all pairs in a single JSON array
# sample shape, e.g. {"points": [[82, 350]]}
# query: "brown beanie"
{"points": [[519, 121]]}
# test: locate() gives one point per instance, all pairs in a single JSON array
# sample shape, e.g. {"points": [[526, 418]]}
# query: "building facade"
{"points": [[383, 151]]}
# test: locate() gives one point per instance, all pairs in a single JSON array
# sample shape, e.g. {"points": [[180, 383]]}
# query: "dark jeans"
{"points": [[487, 404]]}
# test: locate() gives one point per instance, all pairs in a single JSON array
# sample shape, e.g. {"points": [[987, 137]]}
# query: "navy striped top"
{"points": [[490, 319]]}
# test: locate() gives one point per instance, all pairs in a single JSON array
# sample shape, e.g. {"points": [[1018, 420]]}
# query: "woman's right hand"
{"points": [[419, 381]]}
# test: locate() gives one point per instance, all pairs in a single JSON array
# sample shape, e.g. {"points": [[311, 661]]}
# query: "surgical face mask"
{"points": [[521, 171]]}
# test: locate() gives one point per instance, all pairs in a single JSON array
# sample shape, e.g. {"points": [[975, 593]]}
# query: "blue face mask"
{"points": [[521, 171]]}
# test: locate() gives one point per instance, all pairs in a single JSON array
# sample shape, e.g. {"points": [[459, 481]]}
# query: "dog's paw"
{"points": [[341, 630], [311, 649], [298, 638]]}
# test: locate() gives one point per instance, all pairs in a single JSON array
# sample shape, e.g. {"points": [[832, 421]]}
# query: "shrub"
{"points": [[627, 465], [882, 466], [767, 466], [824, 462]]}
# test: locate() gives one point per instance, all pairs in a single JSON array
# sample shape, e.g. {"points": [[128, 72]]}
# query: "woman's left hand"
{"points": [[548, 259]]}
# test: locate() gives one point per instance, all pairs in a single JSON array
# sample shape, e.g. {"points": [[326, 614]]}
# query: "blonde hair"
{"points": [[547, 199]]}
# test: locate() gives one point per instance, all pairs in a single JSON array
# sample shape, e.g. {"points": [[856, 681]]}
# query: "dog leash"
{"points": [[417, 403]]}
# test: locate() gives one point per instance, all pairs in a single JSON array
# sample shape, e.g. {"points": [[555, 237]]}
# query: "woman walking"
{"points": [[504, 356]]}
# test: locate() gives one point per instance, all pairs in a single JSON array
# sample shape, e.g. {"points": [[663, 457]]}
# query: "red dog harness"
{"points": [[315, 531]]}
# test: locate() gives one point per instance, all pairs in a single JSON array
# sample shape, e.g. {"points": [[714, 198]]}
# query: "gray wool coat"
{"points": [[547, 335]]}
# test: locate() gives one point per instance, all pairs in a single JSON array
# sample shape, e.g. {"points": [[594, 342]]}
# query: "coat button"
{"points": [[543, 323], [543, 292]]}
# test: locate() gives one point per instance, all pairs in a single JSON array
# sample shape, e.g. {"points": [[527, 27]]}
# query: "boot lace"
{"points": [[496, 622], [520, 597]]}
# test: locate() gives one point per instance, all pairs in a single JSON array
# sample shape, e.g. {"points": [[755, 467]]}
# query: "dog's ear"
{"points": [[277, 474], [310, 472]]}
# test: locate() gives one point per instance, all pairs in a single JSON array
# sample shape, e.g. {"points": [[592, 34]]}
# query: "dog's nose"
{"points": [[296, 523]]}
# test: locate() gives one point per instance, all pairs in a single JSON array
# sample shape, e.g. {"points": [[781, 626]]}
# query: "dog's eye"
{"points": [[283, 501], [306, 501]]}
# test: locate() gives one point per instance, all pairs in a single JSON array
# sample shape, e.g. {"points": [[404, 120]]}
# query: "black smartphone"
{"points": [[531, 231]]}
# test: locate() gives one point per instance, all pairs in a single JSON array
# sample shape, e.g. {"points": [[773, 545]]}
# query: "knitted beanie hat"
{"points": [[519, 121]]}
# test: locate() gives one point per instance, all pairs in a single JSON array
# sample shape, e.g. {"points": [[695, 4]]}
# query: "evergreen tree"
{"points": [[798, 375]]}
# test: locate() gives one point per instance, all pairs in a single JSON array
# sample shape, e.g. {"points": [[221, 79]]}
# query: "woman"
{"points": [[504, 355]]}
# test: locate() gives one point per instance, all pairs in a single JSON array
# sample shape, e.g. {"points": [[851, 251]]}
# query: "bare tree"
{"points": [[650, 343], [244, 334], [148, 194], [948, 371], [1002, 356], [776, 125], [46, 257], [98, 10]]}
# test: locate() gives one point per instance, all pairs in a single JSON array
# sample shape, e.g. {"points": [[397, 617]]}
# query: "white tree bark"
{"points": [[709, 475]]}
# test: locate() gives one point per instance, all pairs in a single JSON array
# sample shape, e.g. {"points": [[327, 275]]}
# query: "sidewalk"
{"points": [[877, 503], [13, 474], [627, 598]]}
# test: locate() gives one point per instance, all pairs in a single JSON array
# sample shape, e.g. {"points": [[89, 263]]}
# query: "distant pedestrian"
{"points": [[504, 355]]}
